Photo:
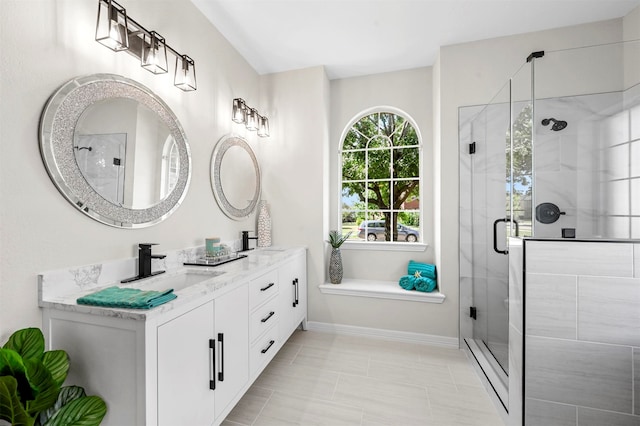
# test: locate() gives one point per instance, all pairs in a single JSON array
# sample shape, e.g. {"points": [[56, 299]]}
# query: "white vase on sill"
{"points": [[264, 225]]}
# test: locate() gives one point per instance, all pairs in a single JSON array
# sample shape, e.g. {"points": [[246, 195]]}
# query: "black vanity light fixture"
{"points": [[119, 32], [244, 114]]}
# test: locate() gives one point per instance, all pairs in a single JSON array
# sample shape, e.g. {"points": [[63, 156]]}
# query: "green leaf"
{"points": [[12, 364], [46, 388], [28, 342], [11, 408], [57, 362], [66, 395], [85, 411]]}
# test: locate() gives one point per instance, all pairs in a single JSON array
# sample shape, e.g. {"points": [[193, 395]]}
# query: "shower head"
{"points": [[557, 124]]}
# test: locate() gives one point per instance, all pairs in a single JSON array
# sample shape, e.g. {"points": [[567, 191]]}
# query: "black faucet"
{"points": [[245, 240], [144, 263]]}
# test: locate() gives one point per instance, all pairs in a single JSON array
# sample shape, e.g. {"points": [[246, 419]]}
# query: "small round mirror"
{"points": [[235, 177]]}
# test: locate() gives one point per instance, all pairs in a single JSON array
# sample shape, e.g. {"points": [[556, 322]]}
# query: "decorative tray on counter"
{"points": [[217, 260]]}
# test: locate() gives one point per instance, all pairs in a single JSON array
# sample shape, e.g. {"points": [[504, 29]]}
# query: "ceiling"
{"points": [[360, 37]]}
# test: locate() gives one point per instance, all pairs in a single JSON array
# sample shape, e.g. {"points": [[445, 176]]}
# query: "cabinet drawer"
{"points": [[263, 350], [262, 288], [263, 318]]}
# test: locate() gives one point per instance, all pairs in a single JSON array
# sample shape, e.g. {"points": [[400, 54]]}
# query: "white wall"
{"points": [[45, 43], [297, 104], [411, 92]]}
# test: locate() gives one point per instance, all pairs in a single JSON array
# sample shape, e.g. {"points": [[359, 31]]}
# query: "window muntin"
{"points": [[380, 179]]}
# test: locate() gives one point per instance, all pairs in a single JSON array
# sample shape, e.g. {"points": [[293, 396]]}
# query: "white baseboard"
{"points": [[398, 336]]}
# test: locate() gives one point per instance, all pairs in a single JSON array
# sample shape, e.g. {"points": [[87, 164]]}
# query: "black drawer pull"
{"points": [[264, 351], [265, 319], [212, 352], [221, 357], [267, 287]]}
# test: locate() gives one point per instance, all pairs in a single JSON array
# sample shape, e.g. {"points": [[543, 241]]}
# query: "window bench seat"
{"points": [[379, 290]]}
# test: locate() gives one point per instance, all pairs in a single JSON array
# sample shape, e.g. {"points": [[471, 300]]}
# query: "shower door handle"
{"points": [[495, 233]]}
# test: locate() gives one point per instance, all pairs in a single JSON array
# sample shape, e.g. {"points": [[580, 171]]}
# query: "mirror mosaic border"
{"points": [[226, 142], [57, 125]]}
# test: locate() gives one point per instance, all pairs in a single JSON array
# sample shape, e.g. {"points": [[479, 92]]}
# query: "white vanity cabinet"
{"points": [[188, 362]]}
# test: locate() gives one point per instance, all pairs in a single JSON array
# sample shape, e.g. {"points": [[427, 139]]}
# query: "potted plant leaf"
{"points": [[31, 391], [335, 261]]}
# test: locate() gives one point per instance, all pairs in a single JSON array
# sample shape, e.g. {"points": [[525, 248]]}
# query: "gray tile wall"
{"points": [[582, 340]]}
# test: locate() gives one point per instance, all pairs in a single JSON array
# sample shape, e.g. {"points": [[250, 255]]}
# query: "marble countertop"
{"points": [[215, 279]]}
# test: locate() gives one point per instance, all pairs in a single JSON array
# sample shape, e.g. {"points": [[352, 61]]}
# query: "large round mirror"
{"points": [[235, 177], [115, 150]]}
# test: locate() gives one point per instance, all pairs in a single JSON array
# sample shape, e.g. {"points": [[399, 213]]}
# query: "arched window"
{"points": [[380, 183]]}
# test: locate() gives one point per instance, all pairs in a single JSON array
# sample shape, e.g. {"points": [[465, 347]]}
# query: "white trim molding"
{"points": [[383, 246], [379, 290], [398, 336]]}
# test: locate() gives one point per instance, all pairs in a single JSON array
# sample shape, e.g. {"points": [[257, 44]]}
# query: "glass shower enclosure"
{"points": [[548, 157]]}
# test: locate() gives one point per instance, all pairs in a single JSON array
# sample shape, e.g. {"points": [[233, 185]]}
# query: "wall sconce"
{"points": [[119, 32], [239, 111], [244, 114]]}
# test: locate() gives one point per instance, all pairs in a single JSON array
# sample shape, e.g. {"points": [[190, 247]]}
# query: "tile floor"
{"points": [[328, 379]]}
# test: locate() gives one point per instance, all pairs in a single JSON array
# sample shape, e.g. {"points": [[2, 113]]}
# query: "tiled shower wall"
{"points": [[582, 332]]}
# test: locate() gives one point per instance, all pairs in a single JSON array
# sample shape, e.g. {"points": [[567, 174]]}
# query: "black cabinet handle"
{"points": [[264, 351], [297, 292], [212, 353], [265, 319], [267, 287], [293, 283], [221, 356]]}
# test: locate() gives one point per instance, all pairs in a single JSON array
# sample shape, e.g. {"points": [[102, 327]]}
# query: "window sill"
{"points": [[383, 246], [379, 290]]}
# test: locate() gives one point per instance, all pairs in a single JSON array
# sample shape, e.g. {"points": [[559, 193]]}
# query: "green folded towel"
{"points": [[426, 270], [130, 298]]}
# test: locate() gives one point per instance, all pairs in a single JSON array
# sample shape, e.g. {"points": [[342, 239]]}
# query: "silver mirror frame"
{"points": [[56, 133], [226, 142]]}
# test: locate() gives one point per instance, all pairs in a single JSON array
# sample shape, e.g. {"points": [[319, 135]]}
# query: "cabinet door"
{"points": [[185, 369], [293, 295], [299, 270], [232, 351]]}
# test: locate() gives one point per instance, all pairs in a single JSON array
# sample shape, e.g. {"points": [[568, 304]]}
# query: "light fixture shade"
{"points": [[111, 28], [252, 119], [185, 78], [263, 126], [154, 53], [239, 111]]}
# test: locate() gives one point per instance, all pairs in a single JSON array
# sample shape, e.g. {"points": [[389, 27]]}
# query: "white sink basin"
{"points": [[179, 281]]}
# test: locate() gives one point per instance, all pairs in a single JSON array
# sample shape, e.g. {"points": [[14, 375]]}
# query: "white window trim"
{"points": [[383, 246], [379, 290], [386, 246]]}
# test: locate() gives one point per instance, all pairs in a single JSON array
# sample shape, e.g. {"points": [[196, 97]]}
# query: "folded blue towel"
{"points": [[424, 284], [129, 298], [407, 283], [425, 269]]}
